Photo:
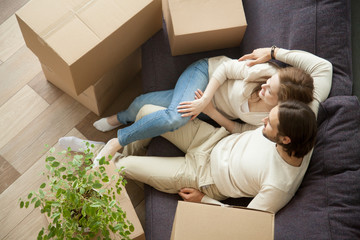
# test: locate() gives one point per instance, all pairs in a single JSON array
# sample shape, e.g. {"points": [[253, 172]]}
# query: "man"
{"points": [[267, 163]]}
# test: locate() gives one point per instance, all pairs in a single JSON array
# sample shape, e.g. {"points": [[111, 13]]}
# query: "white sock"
{"points": [[103, 125], [76, 144]]}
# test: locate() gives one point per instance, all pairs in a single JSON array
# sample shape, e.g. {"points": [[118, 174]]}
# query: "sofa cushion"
{"points": [[329, 196], [321, 27]]}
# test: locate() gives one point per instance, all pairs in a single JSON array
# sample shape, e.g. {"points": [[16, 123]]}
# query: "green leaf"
{"points": [[105, 179], [33, 200], [27, 204], [97, 185], [49, 159], [37, 204], [55, 164], [131, 228], [43, 185], [112, 203], [62, 169], [82, 190], [21, 204], [29, 196]]}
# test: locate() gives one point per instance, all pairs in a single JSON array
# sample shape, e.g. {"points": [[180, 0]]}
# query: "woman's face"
{"points": [[269, 90]]}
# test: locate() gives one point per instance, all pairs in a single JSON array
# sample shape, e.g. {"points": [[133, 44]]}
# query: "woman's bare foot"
{"points": [[111, 147], [107, 124]]}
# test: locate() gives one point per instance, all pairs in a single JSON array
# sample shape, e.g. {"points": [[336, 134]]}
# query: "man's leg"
{"points": [[161, 173]]}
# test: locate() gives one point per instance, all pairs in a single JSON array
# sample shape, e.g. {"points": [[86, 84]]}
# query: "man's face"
{"points": [[270, 130]]}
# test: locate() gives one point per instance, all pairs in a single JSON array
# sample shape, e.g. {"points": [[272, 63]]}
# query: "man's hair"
{"points": [[298, 122], [295, 84]]}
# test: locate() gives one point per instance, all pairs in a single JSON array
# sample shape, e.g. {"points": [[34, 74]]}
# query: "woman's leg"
{"points": [[193, 78], [159, 98]]}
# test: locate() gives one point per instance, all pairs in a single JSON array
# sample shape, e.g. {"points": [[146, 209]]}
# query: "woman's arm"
{"points": [[194, 108], [229, 125], [318, 68], [228, 70]]}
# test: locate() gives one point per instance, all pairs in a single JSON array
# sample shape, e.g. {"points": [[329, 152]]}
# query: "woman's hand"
{"points": [[191, 195], [192, 108], [209, 109], [260, 55]]}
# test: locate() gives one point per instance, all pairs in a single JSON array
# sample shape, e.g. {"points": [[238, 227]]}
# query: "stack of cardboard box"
{"points": [[90, 48]]}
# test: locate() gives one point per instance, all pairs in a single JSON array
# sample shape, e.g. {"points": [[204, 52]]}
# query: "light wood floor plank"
{"points": [[16, 72], [11, 38], [29, 227], [47, 128], [9, 7], [11, 216], [44, 88], [17, 113], [8, 174]]}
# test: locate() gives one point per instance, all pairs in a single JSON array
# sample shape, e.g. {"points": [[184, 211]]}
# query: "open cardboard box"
{"points": [[203, 25], [198, 221], [81, 40]]}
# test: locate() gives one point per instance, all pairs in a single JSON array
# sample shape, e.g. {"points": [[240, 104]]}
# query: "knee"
{"points": [[147, 109], [175, 120]]}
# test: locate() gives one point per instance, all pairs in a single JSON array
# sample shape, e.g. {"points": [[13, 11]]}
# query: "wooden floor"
{"points": [[33, 113]]}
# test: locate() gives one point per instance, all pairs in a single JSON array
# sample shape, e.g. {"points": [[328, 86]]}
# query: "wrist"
{"points": [[273, 51]]}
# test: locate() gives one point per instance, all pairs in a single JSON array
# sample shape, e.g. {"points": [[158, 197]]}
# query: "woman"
{"points": [[247, 89]]}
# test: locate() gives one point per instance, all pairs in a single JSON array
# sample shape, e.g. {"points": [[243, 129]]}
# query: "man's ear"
{"points": [[286, 140]]}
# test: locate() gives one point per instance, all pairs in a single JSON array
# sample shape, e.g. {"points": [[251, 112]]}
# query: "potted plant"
{"points": [[80, 200]]}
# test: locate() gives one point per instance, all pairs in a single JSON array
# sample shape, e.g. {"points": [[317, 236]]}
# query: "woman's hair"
{"points": [[295, 84], [298, 122]]}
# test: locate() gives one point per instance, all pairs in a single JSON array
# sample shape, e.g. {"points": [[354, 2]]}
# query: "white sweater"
{"points": [[235, 89], [248, 165]]}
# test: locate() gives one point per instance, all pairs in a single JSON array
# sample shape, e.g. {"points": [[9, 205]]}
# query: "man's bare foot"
{"points": [[107, 124], [111, 147]]}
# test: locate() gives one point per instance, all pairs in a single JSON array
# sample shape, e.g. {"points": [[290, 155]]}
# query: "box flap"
{"points": [[212, 222], [73, 27], [205, 15]]}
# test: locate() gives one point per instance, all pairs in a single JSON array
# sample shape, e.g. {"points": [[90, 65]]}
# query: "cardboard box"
{"points": [[101, 95], [197, 221], [81, 40], [203, 25], [124, 201]]}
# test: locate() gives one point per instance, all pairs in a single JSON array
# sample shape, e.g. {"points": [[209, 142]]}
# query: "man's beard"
{"points": [[275, 139]]}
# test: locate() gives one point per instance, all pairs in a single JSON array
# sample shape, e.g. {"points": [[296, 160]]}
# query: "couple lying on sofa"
{"points": [[218, 165]]}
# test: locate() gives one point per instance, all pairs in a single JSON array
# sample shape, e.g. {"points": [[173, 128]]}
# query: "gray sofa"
{"points": [[327, 204]]}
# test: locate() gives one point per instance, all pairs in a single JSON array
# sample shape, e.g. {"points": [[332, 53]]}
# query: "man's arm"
{"points": [[270, 199], [194, 195]]}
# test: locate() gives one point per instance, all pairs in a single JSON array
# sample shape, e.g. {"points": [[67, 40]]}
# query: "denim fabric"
{"points": [[195, 77]]}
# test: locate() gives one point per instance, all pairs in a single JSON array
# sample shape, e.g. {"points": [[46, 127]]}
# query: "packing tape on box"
{"points": [[73, 13]]}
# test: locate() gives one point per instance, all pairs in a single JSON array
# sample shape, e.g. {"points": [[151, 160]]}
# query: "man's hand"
{"points": [[260, 55], [191, 195]]}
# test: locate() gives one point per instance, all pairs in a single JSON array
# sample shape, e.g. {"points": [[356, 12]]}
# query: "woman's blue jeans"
{"points": [[195, 77]]}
